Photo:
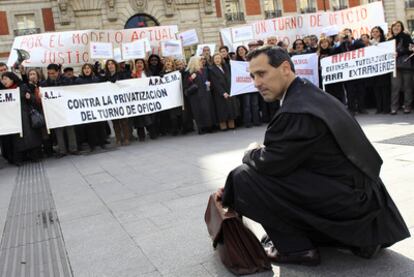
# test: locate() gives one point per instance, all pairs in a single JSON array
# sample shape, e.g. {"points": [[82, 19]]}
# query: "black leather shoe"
{"points": [[309, 257], [366, 252]]}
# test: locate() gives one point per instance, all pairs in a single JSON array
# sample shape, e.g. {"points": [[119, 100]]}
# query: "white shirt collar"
{"points": [[283, 99]]}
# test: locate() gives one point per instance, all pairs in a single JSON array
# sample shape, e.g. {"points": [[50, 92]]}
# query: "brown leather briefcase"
{"points": [[239, 249]]}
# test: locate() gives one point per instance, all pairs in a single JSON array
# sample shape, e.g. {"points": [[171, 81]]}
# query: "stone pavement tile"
{"points": [[113, 258], [97, 178], [143, 202], [192, 271], [140, 228], [113, 191], [210, 186], [194, 215], [407, 211], [188, 202], [177, 248]]}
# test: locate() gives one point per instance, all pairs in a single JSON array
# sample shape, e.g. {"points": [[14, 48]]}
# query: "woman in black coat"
{"points": [[381, 85], [200, 97], [227, 107], [403, 80], [28, 146], [121, 126], [93, 133]]}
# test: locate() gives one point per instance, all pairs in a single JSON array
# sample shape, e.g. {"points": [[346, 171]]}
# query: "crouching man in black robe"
{"points": [[315, 181]]}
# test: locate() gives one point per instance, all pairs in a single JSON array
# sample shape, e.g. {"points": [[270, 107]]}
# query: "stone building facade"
{"points": [[19, 17]]}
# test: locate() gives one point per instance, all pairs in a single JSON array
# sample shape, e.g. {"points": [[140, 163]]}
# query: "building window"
{"points": [[410, 25], [141, 20], [307, 6], [25, 25], [234, 12], [272, 8], [339, 4], [409, 4]]}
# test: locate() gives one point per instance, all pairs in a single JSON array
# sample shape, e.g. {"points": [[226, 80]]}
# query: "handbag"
{"points": [[239, 249], [37, 120]]}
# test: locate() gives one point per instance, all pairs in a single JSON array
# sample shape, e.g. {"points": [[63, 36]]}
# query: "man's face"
{"points": [[69, 74], [272, 41], [270, 81], [52, 74], [3, 69]]}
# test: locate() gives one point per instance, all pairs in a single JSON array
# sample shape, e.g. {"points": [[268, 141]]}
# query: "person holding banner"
{"points": [[315, 180], [171, 119], [187, 115], [27, 146], [403, 80], [200, 98], [380, 84], [33, 78], [55, 79], [143, 121], [121, 126], [227, 107], [355, 89], [250, 101], [93, 133]]}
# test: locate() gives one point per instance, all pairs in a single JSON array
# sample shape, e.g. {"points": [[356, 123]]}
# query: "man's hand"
{"points": [[27, 95], [219, 194], [253, 145]]}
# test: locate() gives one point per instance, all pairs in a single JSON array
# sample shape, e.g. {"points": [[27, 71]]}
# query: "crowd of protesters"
{"points": [[208, 106]]}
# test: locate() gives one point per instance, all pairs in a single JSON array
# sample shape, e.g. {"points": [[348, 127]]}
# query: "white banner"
{"points": [[101, 50], [188, 37], [360, 19], [241, 82], [72, 105], [134, 50], [72, 47], [306, 66], [172, 48], [11, 115], [242, 33], [361, 63]]}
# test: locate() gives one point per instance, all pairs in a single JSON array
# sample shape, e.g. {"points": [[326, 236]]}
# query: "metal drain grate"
{"points": [[401, 140], [32, 242]]}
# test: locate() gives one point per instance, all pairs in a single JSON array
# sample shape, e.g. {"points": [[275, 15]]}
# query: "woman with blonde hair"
{"points": [[201, 102]]}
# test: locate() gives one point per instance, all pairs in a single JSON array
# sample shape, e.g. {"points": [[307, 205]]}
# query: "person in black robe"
{"points": [[27, 146], [200, 97], [93, 133], [227, 107], [315, 181]]}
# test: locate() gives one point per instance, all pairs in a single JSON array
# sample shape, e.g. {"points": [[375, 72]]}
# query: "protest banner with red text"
{"points": [[72, 47], [360, 19], [361, 63]]}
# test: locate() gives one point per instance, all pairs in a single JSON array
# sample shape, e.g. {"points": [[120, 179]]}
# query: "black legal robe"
{"points": [[317, 176]]}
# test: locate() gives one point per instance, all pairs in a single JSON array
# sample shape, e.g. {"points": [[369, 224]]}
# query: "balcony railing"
{"points": [[409, 4], [273, 14], [24, 32], [235, 17], [308, 10], [338, 8]]}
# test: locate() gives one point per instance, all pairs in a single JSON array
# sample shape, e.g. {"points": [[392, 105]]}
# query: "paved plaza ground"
{"points": [[139, 210]]}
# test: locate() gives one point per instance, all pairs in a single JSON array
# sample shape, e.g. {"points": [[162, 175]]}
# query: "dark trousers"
{"points": [[251, 109], [356, 95]]}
